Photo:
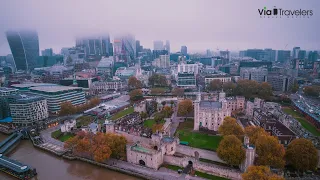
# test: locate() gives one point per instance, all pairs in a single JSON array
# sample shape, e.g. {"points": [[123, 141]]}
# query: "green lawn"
{"points": [[308, 126], [84, 120], [60, 136], [197, 139], [56, 134], [122, 113], [172, 167], [150, 122], [65, 137]]}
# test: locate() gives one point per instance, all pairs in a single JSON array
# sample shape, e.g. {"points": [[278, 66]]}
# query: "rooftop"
{"points": [[28, 85], [54, 88], [210, 104], [25, 98], [141, 149], [4, 89]]}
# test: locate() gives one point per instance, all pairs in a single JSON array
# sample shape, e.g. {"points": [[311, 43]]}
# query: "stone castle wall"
{"points": [[134, 138], [205, 154], [203, 167]]}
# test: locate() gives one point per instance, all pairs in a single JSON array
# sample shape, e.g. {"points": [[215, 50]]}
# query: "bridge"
{"points": [[9, 143], [11, 166]]}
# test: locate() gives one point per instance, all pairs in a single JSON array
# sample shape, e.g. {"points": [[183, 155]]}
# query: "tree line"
{"points": [[245, 87], [67, 108], [98, 147], [300, 153]]}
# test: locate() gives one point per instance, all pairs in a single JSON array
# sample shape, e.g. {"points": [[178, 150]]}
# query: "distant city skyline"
{"points": [[199, 25]]}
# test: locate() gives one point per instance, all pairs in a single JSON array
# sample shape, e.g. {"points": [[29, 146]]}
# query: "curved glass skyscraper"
{"points": [[24, 47]]}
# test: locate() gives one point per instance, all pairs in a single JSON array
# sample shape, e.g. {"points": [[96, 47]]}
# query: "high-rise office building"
{"points": [[24, 46], [138, 47], [184, 50], [124, 48], [129, 45], [209, 53], [167, 46], [47, 52], [105, 45], [302, 54], [158, 45], [313, 56], [283, 56], [295, 52], [95, 46]]}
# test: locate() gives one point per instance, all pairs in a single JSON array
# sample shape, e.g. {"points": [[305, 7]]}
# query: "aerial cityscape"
{"points": [[162, 90]]}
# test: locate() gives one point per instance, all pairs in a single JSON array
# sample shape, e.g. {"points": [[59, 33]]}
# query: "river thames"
{"points": [[51, 167]]}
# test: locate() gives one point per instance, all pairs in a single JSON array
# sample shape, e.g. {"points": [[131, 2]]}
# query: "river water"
{"points": [[51, 167]]}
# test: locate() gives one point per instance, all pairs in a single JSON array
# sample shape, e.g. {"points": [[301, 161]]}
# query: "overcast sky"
{"points": [[198, 24]]}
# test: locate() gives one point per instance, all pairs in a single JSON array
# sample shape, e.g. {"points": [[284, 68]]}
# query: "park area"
{"points": [[124, 112], [308, 126], [197, 139], [150, 122], [61, 136]]}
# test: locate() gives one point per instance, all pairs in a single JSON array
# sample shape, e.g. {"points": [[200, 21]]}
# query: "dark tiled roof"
{"points": [[210, 104]]}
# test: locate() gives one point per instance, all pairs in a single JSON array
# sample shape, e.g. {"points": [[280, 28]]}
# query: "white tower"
{"points": [[222, 96], [196, 111]]}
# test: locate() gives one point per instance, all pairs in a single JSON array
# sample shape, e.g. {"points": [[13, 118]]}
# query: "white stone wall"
{"points": [[151, 160], [135, 139], [205, 154], [204, 167]]}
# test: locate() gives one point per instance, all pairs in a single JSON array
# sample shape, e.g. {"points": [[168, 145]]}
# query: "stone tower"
{"points": [[109, 127], [196, 104], [250, 155], [222, 96]]}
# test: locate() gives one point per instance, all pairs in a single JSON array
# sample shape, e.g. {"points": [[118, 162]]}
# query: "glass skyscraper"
{"points": [[24, 46]]}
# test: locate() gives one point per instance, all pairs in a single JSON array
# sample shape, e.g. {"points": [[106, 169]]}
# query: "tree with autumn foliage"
{"points": [[270, 152], [67, 108], [167, 111], [260, 172], [135, 94], [265, 90], [98, 146], [230, 150], [231, 127], [229, 88], [134, 83], [215, 85], [253, 132], [157, 91], [117, 144], [94, 102], [185, 107], [302, 155], [178, 92]]}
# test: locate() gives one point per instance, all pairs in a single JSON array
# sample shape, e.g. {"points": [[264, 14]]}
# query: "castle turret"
{"points": [[222, 96], [196, 104], [250, 154]]}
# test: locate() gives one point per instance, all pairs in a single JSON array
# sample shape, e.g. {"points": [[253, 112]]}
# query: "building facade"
{"points": [[210, 114], [222, 78], [55, 95], [186, 80], [255, 74], [188, 68], [280, 82], [27, 110], [100, 87]]}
